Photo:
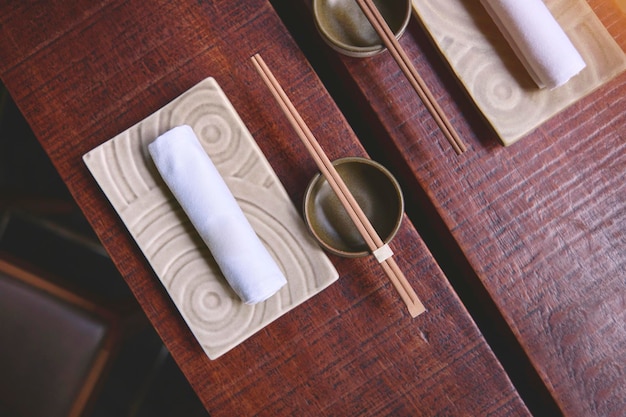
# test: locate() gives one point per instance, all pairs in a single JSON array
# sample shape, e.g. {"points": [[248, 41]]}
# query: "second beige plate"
{"points": [[493, 75]]}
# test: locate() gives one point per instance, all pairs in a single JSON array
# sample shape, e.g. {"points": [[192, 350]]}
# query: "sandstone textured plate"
{"points": [[493, 75], [125, 172]]}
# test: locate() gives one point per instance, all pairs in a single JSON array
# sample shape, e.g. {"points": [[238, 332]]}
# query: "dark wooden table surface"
{"points": [[539, 227], [546, 264], [85, 71]]}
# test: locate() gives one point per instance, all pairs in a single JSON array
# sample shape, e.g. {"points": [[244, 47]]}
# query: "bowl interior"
{"points": [[343, 25], [374, 188]]}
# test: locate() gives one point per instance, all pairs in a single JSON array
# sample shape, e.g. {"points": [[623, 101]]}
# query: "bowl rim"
{"points": [[354, 159], [358, 51]]}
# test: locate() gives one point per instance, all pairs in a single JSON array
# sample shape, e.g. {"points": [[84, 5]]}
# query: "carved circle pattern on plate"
{"points": [[286, 249], [216, 126], [183, 263], [209, 303]]}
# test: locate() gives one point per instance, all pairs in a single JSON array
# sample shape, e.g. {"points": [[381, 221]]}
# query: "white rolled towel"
{"points": [[537, 39], [206, 199]]}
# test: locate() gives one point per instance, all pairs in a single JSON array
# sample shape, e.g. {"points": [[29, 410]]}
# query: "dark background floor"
{"points": [[40, 223]]}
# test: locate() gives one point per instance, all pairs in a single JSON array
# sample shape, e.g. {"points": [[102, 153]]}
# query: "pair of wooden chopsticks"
{"points": [[374, 242], [418, 84]]}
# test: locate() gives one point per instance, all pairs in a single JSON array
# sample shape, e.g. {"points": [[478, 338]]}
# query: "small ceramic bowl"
{"points": [[344, 27], [374, 188]]}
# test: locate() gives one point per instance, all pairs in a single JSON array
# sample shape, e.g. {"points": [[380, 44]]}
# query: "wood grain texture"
{"points": [[83, 74], [541, 223]]}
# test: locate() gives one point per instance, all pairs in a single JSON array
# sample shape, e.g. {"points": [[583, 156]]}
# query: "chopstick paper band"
{"points": [[383, 253]]}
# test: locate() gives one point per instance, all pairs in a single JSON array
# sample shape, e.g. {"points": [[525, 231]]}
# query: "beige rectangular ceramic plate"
{"points": [[125, 172], [494, 77]]}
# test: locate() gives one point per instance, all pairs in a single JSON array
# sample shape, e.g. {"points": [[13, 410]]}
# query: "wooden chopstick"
{"points": [[418, 84], [346, 198]]}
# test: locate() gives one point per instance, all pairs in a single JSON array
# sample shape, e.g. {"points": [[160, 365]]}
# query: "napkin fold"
{"points": [[537, 39], [204, 196]]}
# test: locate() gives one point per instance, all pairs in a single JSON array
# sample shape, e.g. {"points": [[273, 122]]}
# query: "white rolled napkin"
{"points": [[537, 39], [204, 196]]}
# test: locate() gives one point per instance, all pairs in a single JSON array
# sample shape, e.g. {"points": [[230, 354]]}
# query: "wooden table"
{"points": [[83, 72], [537, 228]]}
